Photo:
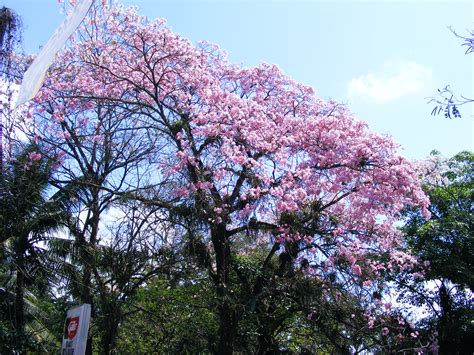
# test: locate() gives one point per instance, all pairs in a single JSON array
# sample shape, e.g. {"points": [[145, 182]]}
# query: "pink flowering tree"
{"points": [[247, 153]]}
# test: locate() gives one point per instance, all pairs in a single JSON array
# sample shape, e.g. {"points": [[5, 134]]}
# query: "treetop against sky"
{"points": [[383, 59], [244, 145], [132, 110]]}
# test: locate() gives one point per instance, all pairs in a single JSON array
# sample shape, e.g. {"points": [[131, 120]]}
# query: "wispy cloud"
{"points": [[393, 81]]}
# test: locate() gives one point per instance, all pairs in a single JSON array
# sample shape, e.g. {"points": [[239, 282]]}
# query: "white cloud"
{"points": [[396, 79]]}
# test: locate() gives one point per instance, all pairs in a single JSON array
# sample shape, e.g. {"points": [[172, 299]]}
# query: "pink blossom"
{"points": [[356, 270], [34, 156], [249, 137], [97, 138], [414, 334], [370, 322], [351, 259]]}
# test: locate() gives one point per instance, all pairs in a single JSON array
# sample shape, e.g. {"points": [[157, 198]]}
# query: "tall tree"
{"points": [[10, 26], [102, 150], [446, 244], [135, 254], [10, 36], [26, 219], [240, 151]]}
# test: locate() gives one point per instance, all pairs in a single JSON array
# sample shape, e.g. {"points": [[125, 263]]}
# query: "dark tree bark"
{"points": [[20, 335], [447, 337], [227, 316]]}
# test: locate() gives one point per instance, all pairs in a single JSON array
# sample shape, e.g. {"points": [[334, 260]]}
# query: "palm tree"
{"points": [[27, 218], [10, 37]]}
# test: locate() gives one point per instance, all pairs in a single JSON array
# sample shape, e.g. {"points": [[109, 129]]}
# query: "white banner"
{"points": [[76, 329], [34, 76]]}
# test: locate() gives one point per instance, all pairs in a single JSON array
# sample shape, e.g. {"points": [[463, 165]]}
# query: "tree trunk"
{"points": [[85, 295], [87, 298], [266, 344], [227, 316], [20, 247], [227, 329], [88, 259], [20, 335], [446, 329], [109, 323]]}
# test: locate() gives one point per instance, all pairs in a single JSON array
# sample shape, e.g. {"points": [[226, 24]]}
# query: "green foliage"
{"points": [[10, 37], [445, 243], [170, 317], [27, 217]]}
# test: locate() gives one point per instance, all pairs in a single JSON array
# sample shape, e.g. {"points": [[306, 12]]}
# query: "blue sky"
{"points": [[381, 58]]}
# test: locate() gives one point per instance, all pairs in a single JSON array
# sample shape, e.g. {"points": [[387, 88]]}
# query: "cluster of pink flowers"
{"points": [[34, 156], [249, 137]]}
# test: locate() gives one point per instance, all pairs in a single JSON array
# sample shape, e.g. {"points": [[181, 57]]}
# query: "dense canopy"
{"points": [[240, 166]]}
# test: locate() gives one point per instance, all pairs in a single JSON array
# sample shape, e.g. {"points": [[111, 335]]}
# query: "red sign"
{"points": [[76, 328], [72, 327]]}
